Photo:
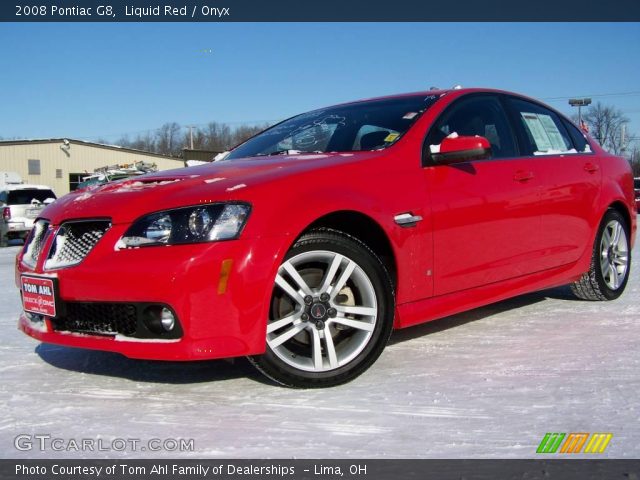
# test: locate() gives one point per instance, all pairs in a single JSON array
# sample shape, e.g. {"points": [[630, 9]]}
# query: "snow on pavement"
{"points": [[488, 383]]}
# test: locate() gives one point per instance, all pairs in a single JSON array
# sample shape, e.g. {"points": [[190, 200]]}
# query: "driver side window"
{"points": [[479, 115]]}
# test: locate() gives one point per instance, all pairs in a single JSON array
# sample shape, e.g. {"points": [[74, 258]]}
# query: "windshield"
{"points": [[368, 125], [25, 196]]}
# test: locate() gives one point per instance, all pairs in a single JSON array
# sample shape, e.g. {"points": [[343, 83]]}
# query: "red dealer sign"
{"points": [[38, 295]]}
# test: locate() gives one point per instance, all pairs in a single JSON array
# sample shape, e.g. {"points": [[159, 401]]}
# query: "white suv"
{"points": [[20, 205]]}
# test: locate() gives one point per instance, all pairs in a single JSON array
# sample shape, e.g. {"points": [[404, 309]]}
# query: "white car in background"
{"points": [[20, 205]]}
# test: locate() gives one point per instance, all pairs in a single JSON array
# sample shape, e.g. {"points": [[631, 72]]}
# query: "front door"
{"points": [[486, 218]]}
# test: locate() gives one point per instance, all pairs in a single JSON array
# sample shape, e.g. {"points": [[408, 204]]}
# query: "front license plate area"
{"points": [[39, 295]]}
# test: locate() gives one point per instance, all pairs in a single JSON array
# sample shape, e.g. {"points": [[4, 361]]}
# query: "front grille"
{"points": [[35, 242], [98, 318], [74, 241]]}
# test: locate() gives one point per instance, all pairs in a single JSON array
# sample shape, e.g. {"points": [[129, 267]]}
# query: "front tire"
{"points": [[610, 262], [331, 312]]}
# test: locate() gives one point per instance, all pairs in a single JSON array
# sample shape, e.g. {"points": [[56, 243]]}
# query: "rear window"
{"points": [[543, 129], [26, 196]]}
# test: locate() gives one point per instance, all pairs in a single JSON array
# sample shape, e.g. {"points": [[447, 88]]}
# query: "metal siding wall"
{"points": [[81, 158]]}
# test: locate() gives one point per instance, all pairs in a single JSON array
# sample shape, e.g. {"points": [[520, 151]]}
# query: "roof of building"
{"points": [[89, 144], [205, 155]]}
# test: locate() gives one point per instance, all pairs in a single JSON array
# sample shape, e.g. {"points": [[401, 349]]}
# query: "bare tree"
{"points": [[168, 139], [605, 126], [245, 132], [144, 142]]}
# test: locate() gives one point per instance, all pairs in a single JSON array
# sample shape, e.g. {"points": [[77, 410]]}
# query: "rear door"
{"points": [[486, 213], [570, 196]]}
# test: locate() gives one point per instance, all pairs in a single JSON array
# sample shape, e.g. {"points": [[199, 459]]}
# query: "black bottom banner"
{"points": [[319, 469]]}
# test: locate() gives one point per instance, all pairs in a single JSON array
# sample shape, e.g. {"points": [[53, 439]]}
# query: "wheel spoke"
{"points": [[331, 272], [346, 273], [302, 285], [621, 259], [288, 289], [278, 324], [606, 239], [369, 311], [617, 228], [359, 324], [604, 264], [331, 349], [613, 275], [280, 339], [316, 349]]}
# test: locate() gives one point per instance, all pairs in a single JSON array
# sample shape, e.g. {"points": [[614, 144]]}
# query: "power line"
{"points": [[597, 95]]}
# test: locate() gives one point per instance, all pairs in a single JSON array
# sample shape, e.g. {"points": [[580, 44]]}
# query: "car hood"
{"points": [[126, 200]]}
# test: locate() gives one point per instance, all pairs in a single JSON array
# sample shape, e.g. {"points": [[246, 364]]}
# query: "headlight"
{"points": [[205, 223]]}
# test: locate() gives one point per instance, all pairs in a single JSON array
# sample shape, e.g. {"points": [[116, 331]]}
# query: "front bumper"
{"points": [[217, 320]]}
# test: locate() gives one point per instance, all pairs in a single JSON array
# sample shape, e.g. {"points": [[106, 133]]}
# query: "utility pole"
{"points": [[191, 127]]}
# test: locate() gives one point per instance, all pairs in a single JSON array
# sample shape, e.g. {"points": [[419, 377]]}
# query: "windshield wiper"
{"points": [[285, 152]]}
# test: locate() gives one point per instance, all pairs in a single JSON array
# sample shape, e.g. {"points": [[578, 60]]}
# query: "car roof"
{"points": [[443, 92], [463, 91], [399, 95]]}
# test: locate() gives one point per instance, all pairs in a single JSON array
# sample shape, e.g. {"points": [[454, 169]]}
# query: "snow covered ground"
{"points": [[487, 383]]}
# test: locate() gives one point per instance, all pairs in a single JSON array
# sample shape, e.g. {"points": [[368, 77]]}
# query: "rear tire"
{"points": [[331, 312], [610, 261], [4, 240]]}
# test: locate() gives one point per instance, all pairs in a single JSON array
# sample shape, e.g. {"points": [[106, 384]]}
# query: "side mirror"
{"points": [[461, 149]]}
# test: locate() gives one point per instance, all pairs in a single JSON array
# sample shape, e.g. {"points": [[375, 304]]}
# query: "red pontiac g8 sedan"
{"points": [[311, 241]]}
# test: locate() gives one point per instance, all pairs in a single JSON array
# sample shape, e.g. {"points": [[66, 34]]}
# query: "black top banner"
{"points": [[324, 11]]}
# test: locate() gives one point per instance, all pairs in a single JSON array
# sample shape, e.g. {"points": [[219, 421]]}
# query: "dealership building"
{"points": [[62, 162]]}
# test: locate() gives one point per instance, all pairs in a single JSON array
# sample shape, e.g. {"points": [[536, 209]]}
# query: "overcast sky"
{"points": [[105, 80]]}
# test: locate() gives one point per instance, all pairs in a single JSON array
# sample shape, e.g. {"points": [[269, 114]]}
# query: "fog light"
{"points": [[160, 320], [167, 319]]}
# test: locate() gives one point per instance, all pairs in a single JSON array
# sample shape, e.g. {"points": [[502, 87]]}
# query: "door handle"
{"points": [[522, 175], [591, 167], [407, 219]]}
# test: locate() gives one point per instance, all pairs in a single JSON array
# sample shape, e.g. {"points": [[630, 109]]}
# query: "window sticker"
{"points": [[545, 133], [391, 137], [552, 131]]}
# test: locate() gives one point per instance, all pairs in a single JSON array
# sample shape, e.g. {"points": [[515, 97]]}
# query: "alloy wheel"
{"points": [[614, 254], [323, 312]]}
